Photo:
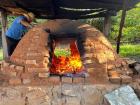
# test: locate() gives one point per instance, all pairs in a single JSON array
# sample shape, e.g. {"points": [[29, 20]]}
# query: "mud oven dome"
{"points": [[90, 58]]}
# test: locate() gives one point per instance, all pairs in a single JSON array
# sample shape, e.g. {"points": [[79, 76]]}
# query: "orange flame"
{"points": [[67, 64]]}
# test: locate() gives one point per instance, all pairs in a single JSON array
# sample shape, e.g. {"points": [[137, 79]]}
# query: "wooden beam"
{"points": [[4, 28], [107, 25], [121, 25]]}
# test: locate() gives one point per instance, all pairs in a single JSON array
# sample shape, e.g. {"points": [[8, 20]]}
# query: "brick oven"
{"points": [[89, 57]]}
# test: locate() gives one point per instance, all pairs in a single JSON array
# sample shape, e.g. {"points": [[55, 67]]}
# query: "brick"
{"points": [[115, 80], [33, 54], [113, 73], [6, 64], [102, 60], [87, 55], [36, 37], [118, 65], [101, 57], [90, 70], [78, 80], [31, 62], [110, 66], [87, 61], [49, 49], [46, 60], [129, 72], [37, 70], [21, 68], [66, 80], [54, 79], [87, 48], [15, 81], [124, 63], [12, 66], [26, 75], [118, 70], [44, 75], [13, 73], [26, 81], [46, 54], [126, 79]]}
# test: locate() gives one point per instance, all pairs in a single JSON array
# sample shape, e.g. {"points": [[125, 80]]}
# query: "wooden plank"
{"points": [[4, 28], [107, 25], [121, 25]]}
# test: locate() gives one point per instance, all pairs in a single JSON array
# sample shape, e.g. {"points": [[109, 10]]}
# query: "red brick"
{"points": [[12, 66], [37, 70], [110, 66], [6, 64], [15, 81], [126, 79], [90, 70], [46, 54], [31, 62], [78, 80], [26, 81], [21, 68], [87, 61], [66, 80], [54, 79], [124, 63], [88, 55], [118, 65], [12, 73], [44, 75], [32, 49], [115, 80], [26, 75], [129, 72], [113, 73], [36, 37], [33, 54], [87, 48], [46, 60]]}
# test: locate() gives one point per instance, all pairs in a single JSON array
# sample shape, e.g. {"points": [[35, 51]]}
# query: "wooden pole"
{"points": [[4, 28], [107, 25], [121, 25]]}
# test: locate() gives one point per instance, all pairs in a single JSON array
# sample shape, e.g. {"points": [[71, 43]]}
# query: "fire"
{"points": [[70, 63]]}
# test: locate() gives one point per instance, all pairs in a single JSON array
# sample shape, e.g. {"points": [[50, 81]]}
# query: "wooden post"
{"points": [[107, 25], [121, 25], [4, 28]]}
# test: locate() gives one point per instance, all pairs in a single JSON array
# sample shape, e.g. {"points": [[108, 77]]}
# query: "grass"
{"points": [[130, 50], [1, 54]]}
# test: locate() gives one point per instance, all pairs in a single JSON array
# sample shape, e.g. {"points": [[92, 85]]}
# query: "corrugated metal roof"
{"points": [[70, 9]]}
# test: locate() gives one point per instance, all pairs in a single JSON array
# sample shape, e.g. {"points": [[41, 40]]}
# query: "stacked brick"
{"points": [[33, 55], [13, 72]]}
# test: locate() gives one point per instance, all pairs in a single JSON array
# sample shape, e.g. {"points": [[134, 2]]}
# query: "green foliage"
{"points": [[1, 54], [96, 22], [62, 52], [10, 20], [131, 30]]}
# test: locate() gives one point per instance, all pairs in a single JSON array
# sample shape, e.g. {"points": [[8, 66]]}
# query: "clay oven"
{"points": [[89, 57]]}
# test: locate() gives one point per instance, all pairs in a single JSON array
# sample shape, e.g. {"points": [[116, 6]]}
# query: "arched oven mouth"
{"points": [[65, 55]]}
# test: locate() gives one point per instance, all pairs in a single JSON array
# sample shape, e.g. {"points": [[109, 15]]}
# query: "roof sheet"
{"points": [[70, 9]]}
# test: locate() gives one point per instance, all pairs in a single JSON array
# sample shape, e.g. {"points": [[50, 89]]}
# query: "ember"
{"points": [[66, 58]]}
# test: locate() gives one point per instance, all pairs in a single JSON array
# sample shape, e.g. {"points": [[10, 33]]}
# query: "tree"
{"points": [[131, 31]]}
